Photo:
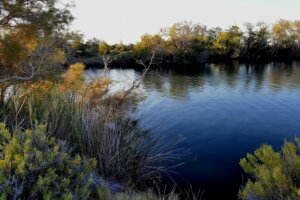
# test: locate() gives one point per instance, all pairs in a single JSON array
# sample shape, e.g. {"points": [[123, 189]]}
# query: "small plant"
{"points": [[33, 166], [274, 175]]}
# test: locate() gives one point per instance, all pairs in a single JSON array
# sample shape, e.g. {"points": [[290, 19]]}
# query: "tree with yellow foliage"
{"points": [[148, 44], [286, 37], [30, 39]]}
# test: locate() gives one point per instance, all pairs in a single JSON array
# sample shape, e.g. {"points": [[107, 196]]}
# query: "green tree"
{"points": [[75, 39], [255, 42], [227, 43]]}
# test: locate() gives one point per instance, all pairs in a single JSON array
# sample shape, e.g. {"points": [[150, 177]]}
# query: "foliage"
{"points": [[24, 24], [188, 43], [255, 41], [228, 43], [273, 175], [31, 40], [75, 39], [104, 48], [73, 78], [37, 167], [147, 45]]}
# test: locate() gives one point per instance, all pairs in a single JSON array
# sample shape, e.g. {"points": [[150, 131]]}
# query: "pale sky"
{"points": [[127, 20]]}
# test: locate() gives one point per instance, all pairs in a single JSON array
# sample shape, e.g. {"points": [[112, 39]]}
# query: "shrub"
{"points": [[274, 175], [33, 166]]}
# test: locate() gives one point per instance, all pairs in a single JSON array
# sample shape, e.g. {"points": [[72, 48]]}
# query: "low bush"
{"points": [[33, 166], [273, 175]]}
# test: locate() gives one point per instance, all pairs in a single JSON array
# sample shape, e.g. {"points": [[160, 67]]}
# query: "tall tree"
{"points": [[255, 41], [284, 38]]}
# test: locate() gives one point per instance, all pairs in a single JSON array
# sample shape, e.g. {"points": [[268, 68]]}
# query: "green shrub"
{"points": [[33, 166], [274, 175]]}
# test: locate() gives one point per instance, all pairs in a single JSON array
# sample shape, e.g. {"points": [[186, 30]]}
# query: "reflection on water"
{"points": [[247, 77], [223, 111]]}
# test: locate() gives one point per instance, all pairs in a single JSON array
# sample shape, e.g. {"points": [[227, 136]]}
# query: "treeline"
{"points": [[187, 43]]}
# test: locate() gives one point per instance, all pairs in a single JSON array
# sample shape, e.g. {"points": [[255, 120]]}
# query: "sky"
{"points": [[126, 21]]}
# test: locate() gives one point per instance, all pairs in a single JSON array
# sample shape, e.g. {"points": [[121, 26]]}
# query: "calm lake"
{"points": [[222, 111]]}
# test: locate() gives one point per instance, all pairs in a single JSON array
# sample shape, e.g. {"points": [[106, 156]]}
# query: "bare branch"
{"points": [[21, 78], [137, 82], [31, 70]]}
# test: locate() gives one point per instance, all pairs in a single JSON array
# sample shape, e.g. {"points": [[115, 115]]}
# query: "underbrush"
{"points": [[95, 124]]}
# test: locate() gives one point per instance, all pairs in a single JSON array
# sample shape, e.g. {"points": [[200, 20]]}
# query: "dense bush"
{"points": [[33, 166], [273, 175]]}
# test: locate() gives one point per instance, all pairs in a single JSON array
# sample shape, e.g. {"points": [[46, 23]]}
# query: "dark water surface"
{"points": [[223, 111]]}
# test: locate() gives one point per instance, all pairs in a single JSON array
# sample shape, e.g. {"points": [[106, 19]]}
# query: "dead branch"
{"points": [[137, 82], [31, 70], [106, 59]]}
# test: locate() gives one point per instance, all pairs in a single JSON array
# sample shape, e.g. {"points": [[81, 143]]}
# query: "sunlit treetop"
{"points": [[46, 15], [28, 33]]}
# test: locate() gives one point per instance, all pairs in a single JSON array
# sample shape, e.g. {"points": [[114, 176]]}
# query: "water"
{"points": [[223, 111]]}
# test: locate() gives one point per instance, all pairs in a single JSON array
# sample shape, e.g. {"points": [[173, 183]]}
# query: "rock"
{"points": [[114, 187]]}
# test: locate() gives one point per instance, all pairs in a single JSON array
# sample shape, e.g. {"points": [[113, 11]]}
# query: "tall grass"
{"points": [[124, 150], [96, 123]]}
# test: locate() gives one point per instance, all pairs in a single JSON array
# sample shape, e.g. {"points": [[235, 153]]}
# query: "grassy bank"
{"points": [[92, 122]]}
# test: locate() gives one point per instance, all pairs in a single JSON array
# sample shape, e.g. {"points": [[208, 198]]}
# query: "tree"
{"points": [[282, 34], [297, 31], [255, 41], [284, 38], [148, 44], [227, 43], [182, 34], [75, 39], [105, 52], [185, 40], [109, 53], [30, 39]]}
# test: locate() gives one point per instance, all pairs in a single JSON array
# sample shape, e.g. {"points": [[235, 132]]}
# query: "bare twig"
{"points": [[137, 82], [31, 70]]}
